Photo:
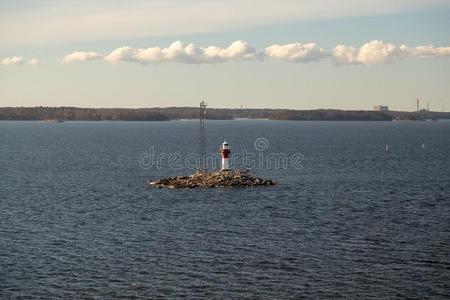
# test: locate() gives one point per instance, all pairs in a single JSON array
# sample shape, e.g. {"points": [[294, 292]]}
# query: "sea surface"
{"points": [[364, 213]]}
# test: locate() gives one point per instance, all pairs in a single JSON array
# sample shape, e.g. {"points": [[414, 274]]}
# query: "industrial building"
{"points": [[381, 108]]}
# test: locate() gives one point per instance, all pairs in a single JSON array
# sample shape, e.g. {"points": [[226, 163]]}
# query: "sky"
{"points": [[298, 54]]}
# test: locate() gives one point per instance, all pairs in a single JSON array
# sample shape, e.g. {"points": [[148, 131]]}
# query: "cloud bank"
{"points": [[374, 52], [371, 53]]}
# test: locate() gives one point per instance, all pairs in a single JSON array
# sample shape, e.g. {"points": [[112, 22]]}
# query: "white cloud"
{"points": [[295, 52], [379, 52], [370, 53], [124, 54], [237, 50], [34, 62], [183, 53], [375, 52], [15, 60], [426, 51], [81, 56], [343, 55]]}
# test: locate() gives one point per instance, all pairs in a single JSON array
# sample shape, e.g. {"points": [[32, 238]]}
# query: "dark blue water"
{"points": [[353, 221]]}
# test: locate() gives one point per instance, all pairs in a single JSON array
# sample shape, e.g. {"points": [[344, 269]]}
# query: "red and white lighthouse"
{"points": [[225, 152]]}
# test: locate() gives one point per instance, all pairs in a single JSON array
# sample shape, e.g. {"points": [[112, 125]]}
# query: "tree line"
{"points": [[176, 113]]}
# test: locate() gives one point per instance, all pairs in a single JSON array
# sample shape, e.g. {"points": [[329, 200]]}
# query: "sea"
{"points": [[360, 210]]}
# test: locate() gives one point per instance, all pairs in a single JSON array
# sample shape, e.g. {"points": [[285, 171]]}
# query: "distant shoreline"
{"points": [[62, 114]]}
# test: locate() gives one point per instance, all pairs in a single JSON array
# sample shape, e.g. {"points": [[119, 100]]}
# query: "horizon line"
{"points": [[235, 108]]}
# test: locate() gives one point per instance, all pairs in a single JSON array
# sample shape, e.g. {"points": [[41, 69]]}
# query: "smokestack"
{"points": [[428, 106], [418, 107]]}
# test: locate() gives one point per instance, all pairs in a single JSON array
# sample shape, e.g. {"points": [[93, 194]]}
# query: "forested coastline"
{"points": [[176, 113]]}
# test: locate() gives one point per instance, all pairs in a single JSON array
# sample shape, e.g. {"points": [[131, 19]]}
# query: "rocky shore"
{"points": [[232, 178]]}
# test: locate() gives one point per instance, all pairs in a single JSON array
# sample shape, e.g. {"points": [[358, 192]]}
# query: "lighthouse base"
{"points": [[223, 178]]}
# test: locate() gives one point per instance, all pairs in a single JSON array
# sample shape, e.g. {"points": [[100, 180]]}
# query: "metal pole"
{"points": [[201, 168]]}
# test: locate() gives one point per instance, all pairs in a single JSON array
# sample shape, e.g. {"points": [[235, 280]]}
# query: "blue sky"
{"points": [[287, 58]]}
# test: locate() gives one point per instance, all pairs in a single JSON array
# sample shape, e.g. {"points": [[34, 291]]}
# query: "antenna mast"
{"points": [[201, 168]]}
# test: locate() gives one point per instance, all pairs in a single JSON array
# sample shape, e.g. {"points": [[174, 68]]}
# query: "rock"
{"points": [[233, 178]]}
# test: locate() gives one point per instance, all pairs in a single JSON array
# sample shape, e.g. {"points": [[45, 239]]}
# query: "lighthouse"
{"points": [[225, 153]]}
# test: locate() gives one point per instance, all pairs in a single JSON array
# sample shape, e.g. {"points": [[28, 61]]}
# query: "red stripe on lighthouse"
{"points": [[225, 153]]}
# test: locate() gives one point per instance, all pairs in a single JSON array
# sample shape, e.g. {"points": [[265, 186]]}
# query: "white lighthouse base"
{"points": [[225, 164]]}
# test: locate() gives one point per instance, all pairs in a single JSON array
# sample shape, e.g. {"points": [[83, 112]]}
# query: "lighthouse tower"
{"points": [[225, 152]]}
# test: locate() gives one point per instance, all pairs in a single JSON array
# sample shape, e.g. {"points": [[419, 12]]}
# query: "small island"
{"points": [[224, 178]]}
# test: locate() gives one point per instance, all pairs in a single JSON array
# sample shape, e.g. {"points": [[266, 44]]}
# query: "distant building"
{"points": [[380, 108]]}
